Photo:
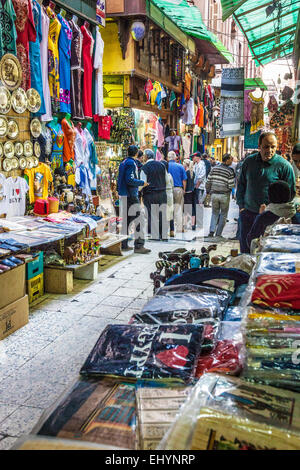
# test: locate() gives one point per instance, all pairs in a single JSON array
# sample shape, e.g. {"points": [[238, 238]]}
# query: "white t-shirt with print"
{"points": [[16, 196], [3, 195]]}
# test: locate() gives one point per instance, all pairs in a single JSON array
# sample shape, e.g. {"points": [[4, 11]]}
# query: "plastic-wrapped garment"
{"points": [[279, 291], [198, 276], [233, 314], [157, 409], [226, 413], [281, 244], [32, 442], [277, 263], [146, 351], [223, 295], [226, 358], [99, 411], [285, 229]]}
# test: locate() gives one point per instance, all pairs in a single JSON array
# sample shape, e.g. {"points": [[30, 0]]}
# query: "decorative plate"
{"points": [[1, 149], [28, 148], [19, 101], [3, 127], [10, 72], [9, 149], [6, 164], [5, 100], [35, 128], [37, 149], [34, 101], [22, 163], [19, 149], [13, 129], [35, 161], [14, 163], [29, 163]]}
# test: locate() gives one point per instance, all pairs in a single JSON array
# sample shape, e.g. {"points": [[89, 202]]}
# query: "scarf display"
{"points": [[286, 210], [146, 351], [232, 102], [278, 291]]}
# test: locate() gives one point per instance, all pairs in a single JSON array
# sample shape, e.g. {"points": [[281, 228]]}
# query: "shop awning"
{"points": [[188, 18], [255, 83], [269, 26]]}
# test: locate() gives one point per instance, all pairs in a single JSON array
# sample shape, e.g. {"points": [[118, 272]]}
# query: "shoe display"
{"points": [[142, 250]]}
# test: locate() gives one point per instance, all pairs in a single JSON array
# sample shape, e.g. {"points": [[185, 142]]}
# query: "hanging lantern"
{"points": [[138, 30]]}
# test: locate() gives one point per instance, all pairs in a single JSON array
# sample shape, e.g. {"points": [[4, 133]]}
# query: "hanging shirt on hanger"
{"points": [[104, 126], [25, 32], [87, 52], [35, 55], [83, 181], [64, 48], [45, 21], [76, 71], [16, 189], [53, 67], [69, 140], [57, 146], [92, 158], [98, 66], [8, 33], [81, 156], [38, 181]]}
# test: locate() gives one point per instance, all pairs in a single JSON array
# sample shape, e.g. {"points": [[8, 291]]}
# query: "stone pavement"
{"points": [[39, 361]]}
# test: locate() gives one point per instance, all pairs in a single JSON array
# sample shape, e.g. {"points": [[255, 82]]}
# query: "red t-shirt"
{"points": [[104, 125]]}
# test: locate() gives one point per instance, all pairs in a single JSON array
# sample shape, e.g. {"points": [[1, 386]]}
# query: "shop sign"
{"points": [[113, 91], [100, 12]]}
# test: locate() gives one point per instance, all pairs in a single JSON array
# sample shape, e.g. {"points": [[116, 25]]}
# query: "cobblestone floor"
{"points": [[44, 357]]}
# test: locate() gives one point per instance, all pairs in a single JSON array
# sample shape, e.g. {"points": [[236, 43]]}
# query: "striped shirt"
{"points": [[220, 180]]}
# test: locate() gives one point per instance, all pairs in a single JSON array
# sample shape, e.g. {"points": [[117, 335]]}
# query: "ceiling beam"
{"points": [[265, 39], [271, 21], [254, 9]]}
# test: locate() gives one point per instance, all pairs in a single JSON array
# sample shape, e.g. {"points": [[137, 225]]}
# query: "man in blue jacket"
{"points": [[130, 208]]}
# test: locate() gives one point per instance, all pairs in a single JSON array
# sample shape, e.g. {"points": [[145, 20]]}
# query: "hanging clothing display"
{"points": [[57, 146], [8, 33], [38, 181], [35, 55], [45, 141], [80, 148], [45, 22], [104, 126], [64, 47], [272, 105], [25, 32], [247, 106], [187, 86], [83, 180], [16, 189], [3, 195], [87, 53], [69, 131], [257, 113], [76, 71], [251, 140], [232, 102], [92, 158], [53, 57], [98, 66]]}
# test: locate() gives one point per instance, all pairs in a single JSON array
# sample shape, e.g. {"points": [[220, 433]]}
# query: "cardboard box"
{"points": [[13, 317], [12, 285], [58, 281]]}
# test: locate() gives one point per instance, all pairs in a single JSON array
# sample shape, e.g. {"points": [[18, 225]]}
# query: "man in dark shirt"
{"points": [[258, 172], [155, 196]]}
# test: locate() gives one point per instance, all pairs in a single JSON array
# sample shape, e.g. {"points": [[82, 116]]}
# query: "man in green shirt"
{"points": [[258, 172]]}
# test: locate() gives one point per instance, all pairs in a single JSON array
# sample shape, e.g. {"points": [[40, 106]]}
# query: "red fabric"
{"points": [[25, 32], [88, 72], [224, 358], [104, 126], [278, 291]]}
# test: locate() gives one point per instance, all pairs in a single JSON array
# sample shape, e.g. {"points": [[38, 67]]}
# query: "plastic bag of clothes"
{"points": [[285, 229], [280, 243], [278, 263]]}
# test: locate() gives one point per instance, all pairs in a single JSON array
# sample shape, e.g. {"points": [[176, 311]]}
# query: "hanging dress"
{"points": [[35, 55], [87, 52], [64, 46], [8, 33], [69, 140], [45, 21], [57, 146], [25, 32], [98, 66], [257, 113], [76, 71], [53, 55]]}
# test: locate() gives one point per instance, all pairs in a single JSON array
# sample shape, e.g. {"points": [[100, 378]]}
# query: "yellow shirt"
{"points": [[38, 181]]}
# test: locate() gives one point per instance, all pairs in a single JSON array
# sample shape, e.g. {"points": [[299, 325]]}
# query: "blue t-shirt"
{"points": [[177, 172]]}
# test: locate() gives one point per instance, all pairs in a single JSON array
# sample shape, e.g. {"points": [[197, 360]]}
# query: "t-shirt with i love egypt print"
{"points": [[16, 196]]}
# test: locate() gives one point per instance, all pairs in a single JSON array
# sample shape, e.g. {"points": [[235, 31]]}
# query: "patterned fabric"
{"points": [[232, 85], [64, 47], [257, 113], [8, 33], [76, 72], [45, 21], [57, 146], [53, 57], [26, 32], [251, 140], [280, 291], [35, 55], [231, 117], [146, 351], [247, 106]]}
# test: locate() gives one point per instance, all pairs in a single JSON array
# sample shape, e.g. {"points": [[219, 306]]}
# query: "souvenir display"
{"points": [[6, 164], [167, 351], [3, 127], [28, 148], [5, 100], [8, 149], [14, 163], [22, 163], [37, 149], [35, 161], [19, 101], [10, 72], [19, 149], [35, 128], [1, 149], [12, 129], [33, 100], [29, 163]]}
